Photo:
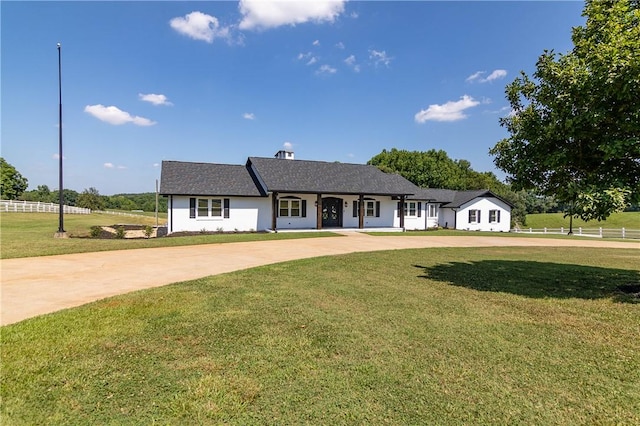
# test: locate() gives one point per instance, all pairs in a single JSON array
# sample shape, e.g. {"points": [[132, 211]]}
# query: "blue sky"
{"points": [[217, 82]]}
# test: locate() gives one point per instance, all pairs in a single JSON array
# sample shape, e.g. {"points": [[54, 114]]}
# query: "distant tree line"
{"points": [[91, 199]]}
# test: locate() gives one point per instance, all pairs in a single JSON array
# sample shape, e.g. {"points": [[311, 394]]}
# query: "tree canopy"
{"points": [[90, 199], [434, 169], [12, 183], [575, 125]]}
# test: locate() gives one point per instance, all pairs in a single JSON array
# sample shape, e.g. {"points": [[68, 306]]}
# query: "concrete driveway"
{"points": [[40, 285]]}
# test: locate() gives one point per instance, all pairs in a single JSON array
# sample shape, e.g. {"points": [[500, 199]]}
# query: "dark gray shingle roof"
{"points": [[184, 178], [435, 195], [302, 176], [452, 198]]}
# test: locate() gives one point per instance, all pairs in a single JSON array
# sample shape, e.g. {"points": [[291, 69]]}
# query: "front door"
{"points": [[331, 212]]}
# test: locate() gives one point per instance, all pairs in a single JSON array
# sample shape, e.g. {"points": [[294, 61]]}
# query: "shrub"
{"points": [[95, 231], [120, 232], [148, 230]]}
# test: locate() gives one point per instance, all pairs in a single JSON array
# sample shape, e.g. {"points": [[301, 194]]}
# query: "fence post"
{"points": [[580, 230], [562, 229], [601, 232], [545, 229], [623, 233]]}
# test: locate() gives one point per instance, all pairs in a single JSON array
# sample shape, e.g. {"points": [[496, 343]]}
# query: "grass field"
{"points": [[629, 220], [31, 234], [431, 336]]}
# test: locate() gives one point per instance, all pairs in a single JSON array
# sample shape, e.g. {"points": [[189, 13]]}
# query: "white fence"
{"points": [[116, 213], [585, 232], [38, 207]]}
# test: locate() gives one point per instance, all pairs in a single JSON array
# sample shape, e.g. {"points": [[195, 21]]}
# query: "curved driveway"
{"points": [[39, 285]]}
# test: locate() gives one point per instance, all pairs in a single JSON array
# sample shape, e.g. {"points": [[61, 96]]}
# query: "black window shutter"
{"points": [[419, 209], [478, 216], [498, 215], [226, 208], [398, 208], [470, 213], [355, 208], [304, 208], [377, 208], [192, 208]]}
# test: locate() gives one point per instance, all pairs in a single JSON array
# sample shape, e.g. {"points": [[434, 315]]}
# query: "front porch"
{"points": [[304, 212]]}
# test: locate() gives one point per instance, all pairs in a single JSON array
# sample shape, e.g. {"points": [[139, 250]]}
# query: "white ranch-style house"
{"points": [[271, 194]]}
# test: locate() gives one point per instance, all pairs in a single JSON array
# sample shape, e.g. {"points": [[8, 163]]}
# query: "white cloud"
{"points": [[114, 115], [450, 111], [351, 62], [288, 146], [156, 164], [475, 76], [495, 75], [326, 69], [265, 14], [199, 26], [249, 116], [340, 45], [308, 57], [113, 166], [379, 57], [316, 43], [154, 99], [57, 157]]}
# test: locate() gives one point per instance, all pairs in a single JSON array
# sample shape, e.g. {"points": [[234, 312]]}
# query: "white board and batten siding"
{"points": [[498, 221]]}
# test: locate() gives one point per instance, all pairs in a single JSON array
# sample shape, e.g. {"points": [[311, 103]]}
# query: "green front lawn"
{"points": [[629, 220], [31, 234], [431, 336]]}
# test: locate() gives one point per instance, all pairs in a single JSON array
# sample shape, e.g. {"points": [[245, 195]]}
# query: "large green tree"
{"points": [[90, 199], [12, 183], [575, 124], [434, 169]]}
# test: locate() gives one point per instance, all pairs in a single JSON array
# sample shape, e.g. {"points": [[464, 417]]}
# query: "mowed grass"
{"points": [[31, 234], [431, 336], [628, 220]]}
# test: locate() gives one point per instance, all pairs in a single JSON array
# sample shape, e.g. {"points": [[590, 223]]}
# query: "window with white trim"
{"points": [[494, 216], [432, 210], [291, 207], [410, 209], [369, 208], [204, 208], [474, 216]]}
